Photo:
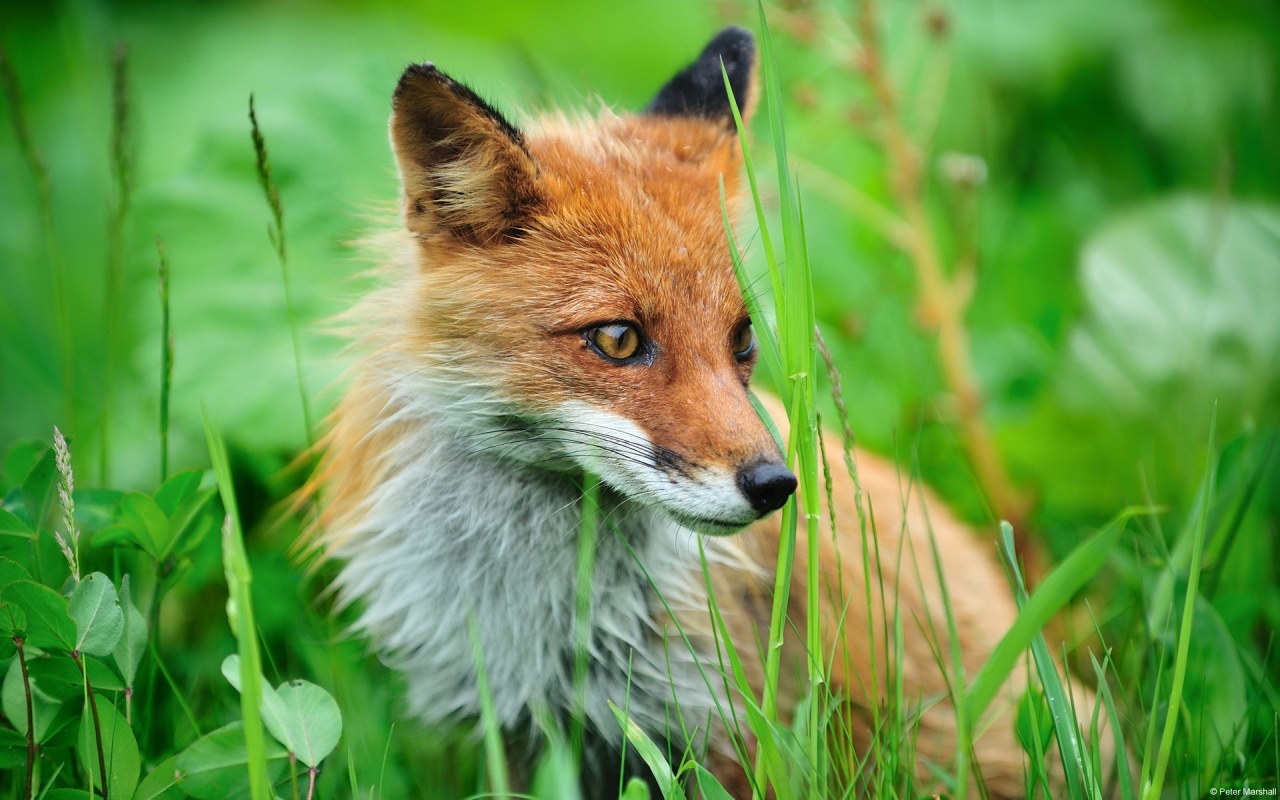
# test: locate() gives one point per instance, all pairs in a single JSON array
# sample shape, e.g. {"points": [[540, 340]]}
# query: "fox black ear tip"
{"points": [[414, 73], [733, 45], [732, 37]]}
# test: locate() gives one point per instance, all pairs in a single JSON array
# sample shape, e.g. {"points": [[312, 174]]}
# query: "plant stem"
{"points": [[943, 299], [276, 233], [97, 724], [166, 360], [121, 173], [31, 723], [311, 782]]}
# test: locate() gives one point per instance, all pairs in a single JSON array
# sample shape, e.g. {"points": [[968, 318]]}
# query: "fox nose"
{"points": [[766, 485]]}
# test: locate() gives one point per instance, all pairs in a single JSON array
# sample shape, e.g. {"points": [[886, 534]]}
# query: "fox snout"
{"points": [[766, 485]]}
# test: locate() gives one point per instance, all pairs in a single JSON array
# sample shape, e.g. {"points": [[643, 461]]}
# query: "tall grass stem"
{"points": [[275, 231]]}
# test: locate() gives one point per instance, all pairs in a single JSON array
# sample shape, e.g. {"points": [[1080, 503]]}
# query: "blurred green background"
{"points": [[1126, 233]]}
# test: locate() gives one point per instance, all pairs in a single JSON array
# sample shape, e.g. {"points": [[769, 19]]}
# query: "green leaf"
{"points": [[162, 783], [235, 565], [273, 711], [61, 677], [12, 526], [20, 460], [40, 489], [1051, 596], [216, 766], [95, 607], [1034, 723], [11, 571], [69, 794], [313, 722], [49, 626], [13, 749], [636, 790], [1179, 322], [178, 488], [149, 524], [133, 639], [119, 748], [118, 534], [12, 619], [708, 786], [13, 699], [96, 508], [195, 518], [651, 754]]}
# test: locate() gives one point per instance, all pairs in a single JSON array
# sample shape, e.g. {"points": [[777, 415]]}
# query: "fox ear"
{"points": [[698, 89], [464, 168]]}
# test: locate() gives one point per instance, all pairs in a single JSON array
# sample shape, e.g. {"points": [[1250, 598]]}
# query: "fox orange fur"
{"points": [[561, 302]]}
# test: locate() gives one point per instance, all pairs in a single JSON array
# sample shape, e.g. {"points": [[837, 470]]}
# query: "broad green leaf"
{"points": [[61, 677], [12, 618], [133, 639], [161, 783], [194, 519], [178, 488], [118, 534], [69, 794], [12, 526], [96, 509], [40, 490], [11, 571], [216, 766], [636, 790], [1179, 320], [49, 626], [273, 710], [13, 621], [95, 607], [312, 721], [13, 749], [20, 460], [151, 527], [651, 754], [13, 699], [119, 748]]}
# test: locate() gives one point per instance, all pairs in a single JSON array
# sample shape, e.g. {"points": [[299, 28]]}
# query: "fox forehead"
{"points": [[632, 226]]}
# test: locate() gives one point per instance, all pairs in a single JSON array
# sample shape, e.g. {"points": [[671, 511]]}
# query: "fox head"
{"points": [[574, 292]]}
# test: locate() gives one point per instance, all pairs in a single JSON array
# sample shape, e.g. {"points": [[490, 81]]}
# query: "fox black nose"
{"points": [[767, 485]]}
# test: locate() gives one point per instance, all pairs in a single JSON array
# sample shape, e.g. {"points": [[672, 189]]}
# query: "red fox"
{"points": [[562, 302]]}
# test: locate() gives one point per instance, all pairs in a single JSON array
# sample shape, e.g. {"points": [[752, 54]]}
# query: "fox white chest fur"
{"points": [[463, 532]]}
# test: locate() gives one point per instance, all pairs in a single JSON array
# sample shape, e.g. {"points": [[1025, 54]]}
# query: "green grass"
{"points": [[1171, 616]]}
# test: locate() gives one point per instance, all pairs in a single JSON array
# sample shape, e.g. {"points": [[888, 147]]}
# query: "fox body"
{"points": [[561, 302]]}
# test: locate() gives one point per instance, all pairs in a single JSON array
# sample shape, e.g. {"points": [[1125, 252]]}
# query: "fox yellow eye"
{"points": [[618, 341], [744, 342]]}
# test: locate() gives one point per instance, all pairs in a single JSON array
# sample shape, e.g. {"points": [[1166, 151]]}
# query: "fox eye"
{"points": [[744, 341], [617, 341]]}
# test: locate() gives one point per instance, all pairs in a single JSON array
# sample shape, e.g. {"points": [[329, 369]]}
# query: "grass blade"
{"points": [[1152, 790], [494, 751], [235, 563], [276, 233], [1050, 597]]}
